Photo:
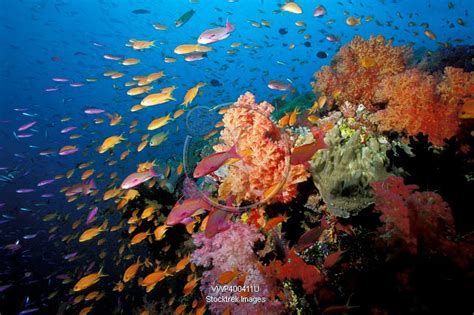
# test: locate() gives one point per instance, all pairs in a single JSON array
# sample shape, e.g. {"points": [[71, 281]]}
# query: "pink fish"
{"points": [[305, 152], [218, 221], [320, 11], [82, 188], [278, 85], [24, 135], [112, 57], [27, 126], [92, 111], [195, 56], [91, 215], [45, 182], [216, 34], [138, 178], [76, 84], [214, 161], [51, 89], [68, 129], [68, 151], [184, 210], [24, 190], [332, 38], [59, 79]]}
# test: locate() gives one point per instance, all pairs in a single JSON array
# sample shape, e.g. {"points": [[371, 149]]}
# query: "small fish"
{"points": [[320, 11], [140, 11], [278, 85], [27, 126], [88, 281], [430, 34], [92, 214], [352, 21], [184, 18]]}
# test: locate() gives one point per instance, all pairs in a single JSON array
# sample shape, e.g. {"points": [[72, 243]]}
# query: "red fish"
{"points": [[214, 161], [217, 222], [320, 11], [305, 152]]}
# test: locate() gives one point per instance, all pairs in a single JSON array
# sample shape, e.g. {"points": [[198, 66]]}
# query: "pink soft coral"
{"points": [[419, 102], [266, 163], [416, 219], [228, 251], [358, 68]]}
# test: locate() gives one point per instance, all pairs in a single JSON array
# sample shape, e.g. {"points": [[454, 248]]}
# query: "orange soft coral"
{"points": [[419, 102], [358, 68], [264, 150]]}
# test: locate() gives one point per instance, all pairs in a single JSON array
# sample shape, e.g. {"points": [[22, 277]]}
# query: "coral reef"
{"points": [[357, 69], [248, 124], [419, 102], [343, 172], [232, 250], [420, 220]]}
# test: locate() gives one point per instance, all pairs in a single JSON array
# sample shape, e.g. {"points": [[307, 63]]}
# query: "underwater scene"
{"points": [[236, 157]]}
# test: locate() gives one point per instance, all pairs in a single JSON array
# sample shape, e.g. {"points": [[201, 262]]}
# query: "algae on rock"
{"points": [[343, 172]]}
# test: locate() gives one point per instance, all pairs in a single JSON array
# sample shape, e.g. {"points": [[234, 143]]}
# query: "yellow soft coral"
{"points": [[265, 163]]}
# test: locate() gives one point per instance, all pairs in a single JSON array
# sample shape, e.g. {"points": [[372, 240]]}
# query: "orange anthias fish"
{"points": [[292, 7], [191, 94], [131, 271], [214, 161], [88, 280]]}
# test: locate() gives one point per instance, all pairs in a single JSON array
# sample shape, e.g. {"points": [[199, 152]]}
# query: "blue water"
{"points": [[46, 39]]}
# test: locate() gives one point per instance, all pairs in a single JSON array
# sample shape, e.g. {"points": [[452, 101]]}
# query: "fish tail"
{"points": [[232, 153], [92, 184], [153, 172], [229, 27]]}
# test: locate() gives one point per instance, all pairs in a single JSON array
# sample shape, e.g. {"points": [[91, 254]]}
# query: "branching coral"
{"points": [[417, 219], [343, 172], [266, 163], [419, 102], [228, 251], [357, 69]]}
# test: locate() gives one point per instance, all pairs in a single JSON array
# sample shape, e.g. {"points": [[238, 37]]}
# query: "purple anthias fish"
{"points": [[4, 287], [47, 195], [24, 135], [45, 182], [68, 129], [47, 152], [77, 84], [59, 79], [24, 190], [70, 256], [138, 178], [216, 34], [68, 151], [27, 126], [51, 89], [320, 11], [91, 215], [92, 110]]}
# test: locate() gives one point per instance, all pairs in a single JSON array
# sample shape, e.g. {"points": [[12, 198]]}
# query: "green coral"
{"points": [[342, 172]]}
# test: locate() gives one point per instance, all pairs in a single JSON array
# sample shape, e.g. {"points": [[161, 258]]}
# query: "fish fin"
{"points": [[232, 153], [153, 172], [92, 184]]}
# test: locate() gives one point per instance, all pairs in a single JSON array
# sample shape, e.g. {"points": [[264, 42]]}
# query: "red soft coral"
{"points": [[358, 68], [296, 268], [417, 219], [419, 102]]}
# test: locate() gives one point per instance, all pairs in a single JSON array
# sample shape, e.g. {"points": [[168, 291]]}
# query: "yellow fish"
{"points": [[352, 21], [292, 7], [191, 94], [110, 142], [158, 139], [159, 122], [190, 48], [130, 61]]}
